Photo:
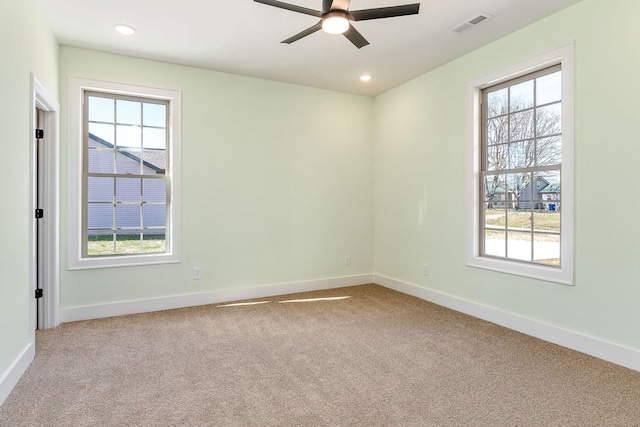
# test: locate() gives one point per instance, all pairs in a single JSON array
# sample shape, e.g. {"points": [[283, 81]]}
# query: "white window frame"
{"points": [[76, 260], [565, 273]]}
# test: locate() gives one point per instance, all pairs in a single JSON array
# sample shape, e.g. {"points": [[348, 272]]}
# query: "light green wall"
{"points": [[26, 46], [276, 183], [419, 177], [280, 181]]}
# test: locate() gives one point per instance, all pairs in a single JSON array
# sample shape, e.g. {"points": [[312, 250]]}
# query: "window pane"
{"points": [[521, 125], [155, 115], [100, 189], [519, 246], [100, 160], [129, 112], [154, 190], [549, 120], [497, 102], [549, 88], [105, 133], [128, 242], [155, 215], [100, 215], [498, 130], [539, 183], [546, 220], [546, 249], [154, 241], [101, 109], [155, 162], [495, 220], [549, 151], [519, 189], [100, 242], [519, 220], [128, 190], [552, 177], [520, 154], [128, 161], [128, 216], [128, 136], [494, 243], [497, 157], [155, 138], [521, 96], [494, 191]]}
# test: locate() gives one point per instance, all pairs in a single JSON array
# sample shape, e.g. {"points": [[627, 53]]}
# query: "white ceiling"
{"points": [[243, 37]]}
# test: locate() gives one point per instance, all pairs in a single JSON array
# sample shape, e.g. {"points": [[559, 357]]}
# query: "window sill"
{"points": [[122, 261], [532, 271]]}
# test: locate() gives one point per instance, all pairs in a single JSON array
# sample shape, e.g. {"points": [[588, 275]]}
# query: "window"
{"points": [[124, 175], [521, 176], [521, 154]]}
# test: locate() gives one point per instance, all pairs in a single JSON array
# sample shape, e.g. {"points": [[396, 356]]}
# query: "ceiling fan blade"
{"points": [[355, 37], [385, 12], [304, 33], [291, 7]]}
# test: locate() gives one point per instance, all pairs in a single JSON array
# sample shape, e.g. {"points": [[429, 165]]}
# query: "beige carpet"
{"points": [[374, 358]]}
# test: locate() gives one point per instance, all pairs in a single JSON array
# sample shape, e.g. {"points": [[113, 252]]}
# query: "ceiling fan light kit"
{"points": [[335, 22], [335, 17]]}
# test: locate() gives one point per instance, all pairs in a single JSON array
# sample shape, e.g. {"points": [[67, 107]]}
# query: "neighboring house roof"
{"points": [[551, 188], [548, 188], [153, 158]]}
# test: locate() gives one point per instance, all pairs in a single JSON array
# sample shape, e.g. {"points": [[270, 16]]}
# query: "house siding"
{"points": [[126, 204]]}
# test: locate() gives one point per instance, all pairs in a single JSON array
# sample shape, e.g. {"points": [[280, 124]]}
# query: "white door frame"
{"points": [[40, 98]]}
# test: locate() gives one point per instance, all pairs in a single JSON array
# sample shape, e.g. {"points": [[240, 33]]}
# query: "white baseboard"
{"points": [[190, 300], [585, 344], [11, 377]]}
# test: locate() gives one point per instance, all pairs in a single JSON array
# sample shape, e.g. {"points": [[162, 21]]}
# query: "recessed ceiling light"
{"points": [[365, 77], [125, 29]]}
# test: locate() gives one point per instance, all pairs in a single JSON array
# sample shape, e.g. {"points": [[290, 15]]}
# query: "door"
{"points": [[39, 178]]}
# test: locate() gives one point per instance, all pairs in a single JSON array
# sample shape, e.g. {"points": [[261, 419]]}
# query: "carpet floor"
{"points": [[356, 356]]}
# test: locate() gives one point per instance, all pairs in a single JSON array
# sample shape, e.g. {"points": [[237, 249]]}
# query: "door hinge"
{"points": [[39, 133], [39, 213], [39, 293]]}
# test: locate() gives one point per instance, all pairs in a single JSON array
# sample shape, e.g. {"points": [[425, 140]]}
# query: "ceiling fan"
{"points": [[335, 17]]}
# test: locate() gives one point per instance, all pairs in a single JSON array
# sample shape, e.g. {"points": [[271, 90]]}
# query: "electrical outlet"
{"points": [[425, 269], [347, 260], [197, 273]]}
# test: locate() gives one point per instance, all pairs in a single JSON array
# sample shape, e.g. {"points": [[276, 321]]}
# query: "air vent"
{"points": [[471, 22]]}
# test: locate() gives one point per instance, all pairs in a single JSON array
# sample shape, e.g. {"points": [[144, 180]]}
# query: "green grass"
{"points": [[523, 220], [125, 244]]}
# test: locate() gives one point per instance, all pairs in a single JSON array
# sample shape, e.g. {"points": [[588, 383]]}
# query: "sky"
{"points": [[128, 124]]}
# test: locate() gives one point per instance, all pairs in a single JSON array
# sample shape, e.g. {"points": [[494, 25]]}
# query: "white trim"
{"points": [[17, 369], [604, 350], [565, 273], [77, 86], [42, 99], [191, 300]]}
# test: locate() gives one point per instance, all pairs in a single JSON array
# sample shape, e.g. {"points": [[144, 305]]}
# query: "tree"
{"points": [[518, 136]]}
